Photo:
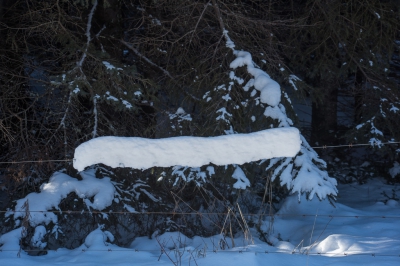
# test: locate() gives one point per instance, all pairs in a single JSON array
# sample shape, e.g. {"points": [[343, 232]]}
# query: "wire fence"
{"points": [[237, 250], [283, 215], [247, 250], [37, 161], [202, 252], [350, 145]]}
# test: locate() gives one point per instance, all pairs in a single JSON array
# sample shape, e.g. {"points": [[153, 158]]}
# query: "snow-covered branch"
{"points": [[94, 134], [88, 27]]}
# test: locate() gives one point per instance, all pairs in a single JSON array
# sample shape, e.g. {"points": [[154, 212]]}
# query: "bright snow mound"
{"points": [[142, 153]]}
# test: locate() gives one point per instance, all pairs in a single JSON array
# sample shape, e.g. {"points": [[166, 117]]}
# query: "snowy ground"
{"points": [[363, 229]]}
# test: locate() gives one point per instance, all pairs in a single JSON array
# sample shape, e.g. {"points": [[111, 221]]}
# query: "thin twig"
{"points": [[146, 59]]}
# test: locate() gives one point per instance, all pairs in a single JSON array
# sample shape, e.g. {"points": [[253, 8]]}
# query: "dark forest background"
{"points": [[73, 70]]}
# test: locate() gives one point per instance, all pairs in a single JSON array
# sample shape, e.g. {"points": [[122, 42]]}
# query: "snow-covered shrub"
{"points": [[127, 203], [66, 209]]}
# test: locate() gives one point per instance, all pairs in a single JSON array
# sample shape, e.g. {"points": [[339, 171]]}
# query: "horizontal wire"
{"points": [[244, 250], [37, 161], [205, 214], [316, 147], [350, 145]]}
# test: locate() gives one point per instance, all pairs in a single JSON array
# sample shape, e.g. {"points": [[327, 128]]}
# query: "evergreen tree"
{"points": [[345, 49]]}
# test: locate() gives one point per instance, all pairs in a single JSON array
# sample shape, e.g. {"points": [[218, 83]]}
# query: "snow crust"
{"points": [[360, 230], [354, 226], [141, 153]]}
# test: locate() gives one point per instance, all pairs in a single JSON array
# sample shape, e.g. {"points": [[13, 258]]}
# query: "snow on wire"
{"points": [[141, 153], [314, 147]]}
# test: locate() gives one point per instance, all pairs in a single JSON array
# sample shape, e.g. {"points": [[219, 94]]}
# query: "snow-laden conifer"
{"points": [[304, 173]]}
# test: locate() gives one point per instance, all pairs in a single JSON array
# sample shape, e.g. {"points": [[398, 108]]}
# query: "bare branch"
{"points": [[146, 59]]}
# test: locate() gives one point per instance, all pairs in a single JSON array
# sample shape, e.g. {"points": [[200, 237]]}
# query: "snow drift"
{"points": [[141, 153]]}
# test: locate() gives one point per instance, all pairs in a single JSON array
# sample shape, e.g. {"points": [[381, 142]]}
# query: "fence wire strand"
{"points": [[201, 214], [238, 250], [244, 250], [374, 144]]}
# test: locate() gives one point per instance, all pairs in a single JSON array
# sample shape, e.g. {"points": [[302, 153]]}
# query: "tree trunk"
{"points": [[358, 96], [324, 117]]}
